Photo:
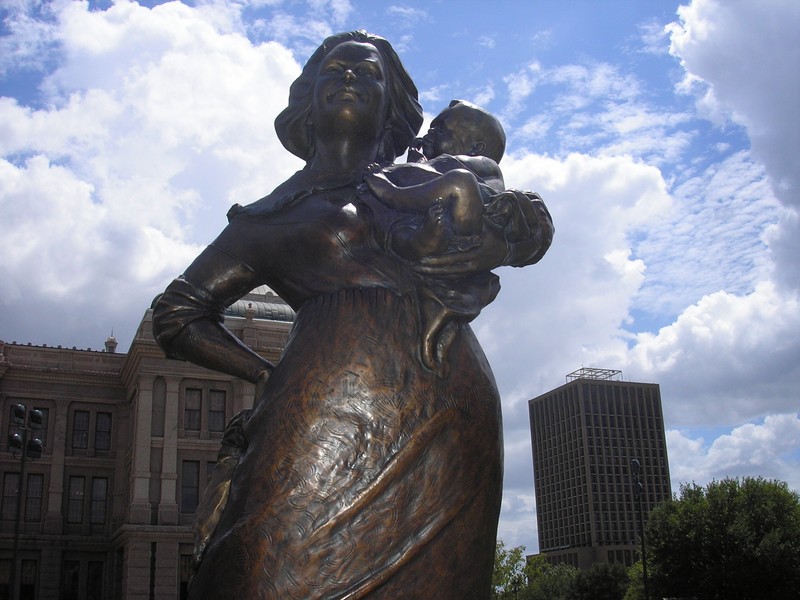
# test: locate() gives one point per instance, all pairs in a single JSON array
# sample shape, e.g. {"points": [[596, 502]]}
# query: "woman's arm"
{"points": [[188, 322], [523, 241]]}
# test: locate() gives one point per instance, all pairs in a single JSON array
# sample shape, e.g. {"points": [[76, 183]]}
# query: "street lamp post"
{"points": [[637, 491], [27, 422]]}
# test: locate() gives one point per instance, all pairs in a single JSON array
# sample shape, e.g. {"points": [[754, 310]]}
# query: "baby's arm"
{"points": [[401, 198]]}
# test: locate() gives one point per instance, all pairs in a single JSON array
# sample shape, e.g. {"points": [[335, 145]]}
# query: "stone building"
{"points": [[129, 442], [585, 436]]}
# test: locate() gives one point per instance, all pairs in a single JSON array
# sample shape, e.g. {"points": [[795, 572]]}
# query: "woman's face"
{"points": [[351, 86]]}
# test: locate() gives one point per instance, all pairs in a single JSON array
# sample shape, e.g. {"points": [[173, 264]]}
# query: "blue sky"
{"points": [[664, 137]]}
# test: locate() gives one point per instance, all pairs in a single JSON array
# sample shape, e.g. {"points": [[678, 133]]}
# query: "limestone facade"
{"points": [[129, 442]]}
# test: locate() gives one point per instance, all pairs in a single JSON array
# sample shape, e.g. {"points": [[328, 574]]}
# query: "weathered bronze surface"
{"points": [[371, 463]]}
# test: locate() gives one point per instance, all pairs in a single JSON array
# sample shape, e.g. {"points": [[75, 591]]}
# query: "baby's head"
{"points": [[463, 128]]}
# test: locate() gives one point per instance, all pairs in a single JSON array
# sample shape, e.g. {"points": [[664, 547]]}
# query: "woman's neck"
{"points": [[343, 156]]}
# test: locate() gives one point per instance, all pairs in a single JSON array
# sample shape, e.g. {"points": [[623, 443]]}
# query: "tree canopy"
{"points": [[733, 539], [737, 539]]}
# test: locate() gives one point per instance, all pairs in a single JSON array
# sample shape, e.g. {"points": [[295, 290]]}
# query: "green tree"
{"points": [[602, 581], [635, 582], [550, 582], [733, 539], [508, 577]]}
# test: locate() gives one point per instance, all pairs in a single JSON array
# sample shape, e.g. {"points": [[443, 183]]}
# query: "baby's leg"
{"points": [[461, 196], [457, 189], [428, 239], [383, 189]]}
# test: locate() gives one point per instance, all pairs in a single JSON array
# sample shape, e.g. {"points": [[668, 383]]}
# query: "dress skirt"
{"points": [[367, 475]]}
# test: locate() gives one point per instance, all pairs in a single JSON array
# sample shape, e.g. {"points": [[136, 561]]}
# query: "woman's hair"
{"points": [[404, 112]]}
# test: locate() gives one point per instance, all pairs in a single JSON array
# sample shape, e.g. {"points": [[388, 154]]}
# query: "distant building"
{"points": [[585, 434], [129, 442]]}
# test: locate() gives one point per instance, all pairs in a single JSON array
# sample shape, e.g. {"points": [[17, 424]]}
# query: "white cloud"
{"points": [[747, 54], [768, 449], [554, 316], [519, 85], [303, 34], [572, 303], [483, 96], [715, 238], [518, 526], [593, 108], [30, 38], [156, 122], [741, 59], [407, 15], [339, 10], [487, 41], [726, 359], [653, 37], [434, 95]]}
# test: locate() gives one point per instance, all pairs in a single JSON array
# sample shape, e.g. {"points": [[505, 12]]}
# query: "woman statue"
{"points": [[366, 473]]}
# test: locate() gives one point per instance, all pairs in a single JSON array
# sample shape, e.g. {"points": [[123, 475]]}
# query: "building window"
{"points": [[70, 580], [216, 410], [8, 512], [80, 429], [102, 431], [75, 497], [27, 576], [191, 412], [5, 577], [27, 580], [94, 580], [97, 513], [184, 576], [82, 578], [33, 497], [190, 485], [159, 407]]}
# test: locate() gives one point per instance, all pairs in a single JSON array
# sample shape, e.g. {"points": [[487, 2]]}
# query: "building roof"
{"points": [[272, 311], [261, 303]]}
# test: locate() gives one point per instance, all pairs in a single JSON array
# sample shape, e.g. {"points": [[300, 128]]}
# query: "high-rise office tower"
{"points": [[585, 436]]}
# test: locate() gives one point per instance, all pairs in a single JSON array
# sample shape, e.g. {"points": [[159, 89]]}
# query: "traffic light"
{"points": [[34, 448], [35, 418], [15, 443], [18, 414]]}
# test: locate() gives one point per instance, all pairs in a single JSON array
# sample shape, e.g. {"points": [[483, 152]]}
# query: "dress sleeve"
{"points": [[213, 281]]}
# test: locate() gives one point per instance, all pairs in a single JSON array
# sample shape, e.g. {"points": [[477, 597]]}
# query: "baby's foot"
{"points": [[433, 232], [377, 181]]}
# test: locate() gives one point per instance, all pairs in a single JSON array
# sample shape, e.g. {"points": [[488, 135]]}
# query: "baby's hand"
{"points": [[377, 181], [499, 210]]}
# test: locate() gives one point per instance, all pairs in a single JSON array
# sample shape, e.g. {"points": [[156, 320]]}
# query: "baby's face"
{"points": [[454, 131]]}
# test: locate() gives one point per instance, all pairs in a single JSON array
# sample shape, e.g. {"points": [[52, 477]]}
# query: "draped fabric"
{"points": [[365, 474]]}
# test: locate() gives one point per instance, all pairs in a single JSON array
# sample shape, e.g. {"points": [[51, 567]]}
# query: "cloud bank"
{"points": [[675, 259]]}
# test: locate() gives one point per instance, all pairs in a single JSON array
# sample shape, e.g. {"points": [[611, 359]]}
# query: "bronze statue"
{"points": [[365, 469]]}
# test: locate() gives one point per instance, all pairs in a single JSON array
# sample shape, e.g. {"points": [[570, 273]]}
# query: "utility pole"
{"points": [[27, 421], [638, 491]]}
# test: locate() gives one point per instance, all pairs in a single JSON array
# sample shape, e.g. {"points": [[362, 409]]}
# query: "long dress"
{"points": [[367, 475]]}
